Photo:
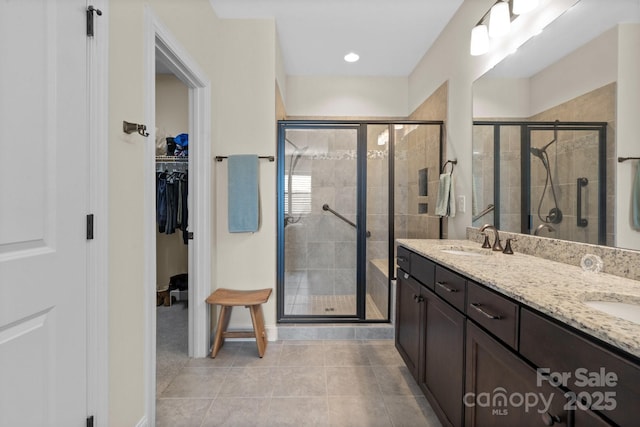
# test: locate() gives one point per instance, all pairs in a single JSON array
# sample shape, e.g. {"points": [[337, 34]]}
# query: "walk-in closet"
{"points": [[172, 219]]}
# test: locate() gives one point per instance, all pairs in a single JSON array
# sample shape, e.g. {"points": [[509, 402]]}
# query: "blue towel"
{"points": [[635, 202], [244, 209]]}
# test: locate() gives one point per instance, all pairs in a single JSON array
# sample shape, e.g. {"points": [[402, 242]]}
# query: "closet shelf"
{"points": [[171, 159]]}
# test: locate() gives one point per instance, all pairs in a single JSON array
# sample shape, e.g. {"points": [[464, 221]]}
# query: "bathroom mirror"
{"points": [[544, 137]]}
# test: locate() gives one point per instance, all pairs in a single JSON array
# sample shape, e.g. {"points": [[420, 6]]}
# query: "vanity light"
{"points": [[479, 40], [523, 6], [351, 57], [499, 19]]}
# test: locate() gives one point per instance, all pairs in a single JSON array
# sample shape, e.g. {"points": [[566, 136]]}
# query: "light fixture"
{"points": [[499, 19], [523, 6], [351, 57], [479, 40]]}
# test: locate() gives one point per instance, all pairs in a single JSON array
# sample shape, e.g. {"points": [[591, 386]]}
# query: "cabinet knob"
{"points": [[418, 298], [406, 276], [549, 419]]}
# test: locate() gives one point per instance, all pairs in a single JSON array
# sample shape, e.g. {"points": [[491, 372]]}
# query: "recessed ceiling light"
{"points": [[351, 57]]}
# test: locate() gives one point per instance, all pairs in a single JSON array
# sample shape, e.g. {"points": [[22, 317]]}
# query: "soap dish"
{"points": [[591, 263]]}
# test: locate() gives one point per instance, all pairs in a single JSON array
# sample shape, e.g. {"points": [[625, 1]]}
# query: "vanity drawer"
{"points": [[560, 350], [494, 312], [451, 287], [423, 270], [404, 259]]}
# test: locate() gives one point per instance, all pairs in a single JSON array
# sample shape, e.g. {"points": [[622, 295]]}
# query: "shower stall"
{"points": [[542, 177], [346, 190]]}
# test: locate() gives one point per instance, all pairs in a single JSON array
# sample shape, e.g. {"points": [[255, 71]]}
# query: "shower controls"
{"points": [[555, 216]]}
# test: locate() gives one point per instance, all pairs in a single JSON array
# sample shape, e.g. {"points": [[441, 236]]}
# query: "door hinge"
{"points": [[90, 11], [190, 235], [90, 421], [90, 227]]}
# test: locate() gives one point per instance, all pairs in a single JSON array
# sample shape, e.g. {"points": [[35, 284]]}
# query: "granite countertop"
{"points": [[550, 287]]}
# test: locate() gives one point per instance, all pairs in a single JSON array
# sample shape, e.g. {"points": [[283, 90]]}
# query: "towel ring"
{"points": [[453, 163]]}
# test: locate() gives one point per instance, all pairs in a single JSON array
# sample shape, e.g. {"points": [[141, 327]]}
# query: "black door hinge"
{"points": [[90, 227], [90, 11], [90, 421], [190, 235]]}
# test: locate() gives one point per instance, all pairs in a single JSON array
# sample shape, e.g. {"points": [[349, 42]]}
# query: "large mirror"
{"points": [[545, 140]]}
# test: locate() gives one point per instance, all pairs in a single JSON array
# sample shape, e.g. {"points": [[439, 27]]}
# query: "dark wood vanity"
{"points": [[484, 359]]}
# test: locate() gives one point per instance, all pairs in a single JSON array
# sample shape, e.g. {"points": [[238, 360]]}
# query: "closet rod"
{"points": [[171, 159], [270, 158]]}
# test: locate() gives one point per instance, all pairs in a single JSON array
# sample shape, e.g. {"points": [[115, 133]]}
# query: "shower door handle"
{"points": [[581, 222]]}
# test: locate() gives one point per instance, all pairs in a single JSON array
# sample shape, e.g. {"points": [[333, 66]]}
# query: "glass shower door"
{"points": [[320, 183]]}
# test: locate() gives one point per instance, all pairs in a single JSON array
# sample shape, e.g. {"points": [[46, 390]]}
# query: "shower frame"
{"points": [[361, 217], [526, 127]]}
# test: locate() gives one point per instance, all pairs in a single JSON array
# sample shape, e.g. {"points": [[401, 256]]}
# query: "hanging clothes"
{"points": [[161, 201], [184, 222], [172, 202]]}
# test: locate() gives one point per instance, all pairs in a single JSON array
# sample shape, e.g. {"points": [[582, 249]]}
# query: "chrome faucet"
{"points": [[496, 243], [541, 226]]}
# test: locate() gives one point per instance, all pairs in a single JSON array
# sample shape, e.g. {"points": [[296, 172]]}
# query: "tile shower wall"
{"points": [[417, 151], [417, 168], [378, 217]]}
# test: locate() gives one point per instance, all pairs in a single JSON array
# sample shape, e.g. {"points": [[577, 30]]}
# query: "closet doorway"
{"points": [[163, 51], [172, 220]]}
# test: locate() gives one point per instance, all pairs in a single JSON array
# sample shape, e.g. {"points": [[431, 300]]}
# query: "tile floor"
{"points": [[356, 383]]}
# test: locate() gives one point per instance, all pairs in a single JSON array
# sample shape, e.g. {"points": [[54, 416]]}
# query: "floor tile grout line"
{"points": [[204, 417], [384, 403]]}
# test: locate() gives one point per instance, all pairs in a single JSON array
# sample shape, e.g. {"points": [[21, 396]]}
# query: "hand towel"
{"points": [[635, 202], [444, 200], [452, 197], [243, 209]]}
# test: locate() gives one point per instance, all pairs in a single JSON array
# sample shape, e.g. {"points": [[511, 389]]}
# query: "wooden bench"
{"points": [[229, 298]]}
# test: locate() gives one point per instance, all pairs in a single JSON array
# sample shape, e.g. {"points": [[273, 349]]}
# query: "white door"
{"points": [[43, 202]]}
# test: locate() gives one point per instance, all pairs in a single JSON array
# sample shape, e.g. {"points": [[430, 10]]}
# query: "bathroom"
{"points": [[241, 84]]}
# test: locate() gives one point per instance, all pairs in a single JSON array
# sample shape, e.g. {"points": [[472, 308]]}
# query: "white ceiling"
{"points": [[390, 36]]}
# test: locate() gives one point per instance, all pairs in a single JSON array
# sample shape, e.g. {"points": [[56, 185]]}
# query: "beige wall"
{"points": [[628, 129], [238, 57], [343, 96], [245, 124]]}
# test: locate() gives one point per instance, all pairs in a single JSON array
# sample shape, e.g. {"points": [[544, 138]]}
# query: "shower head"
{"points": [[537, 152]]}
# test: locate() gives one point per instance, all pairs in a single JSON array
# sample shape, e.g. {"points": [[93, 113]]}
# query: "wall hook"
{"points": [[134, 127]]}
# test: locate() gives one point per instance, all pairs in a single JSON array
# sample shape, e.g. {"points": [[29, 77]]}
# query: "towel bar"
{"points": [[270, 158]]}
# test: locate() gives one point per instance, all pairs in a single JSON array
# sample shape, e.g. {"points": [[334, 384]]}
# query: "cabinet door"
{"points": [[501, 390], [408, 324], [442, 373], [586, 418], [609, 383]]}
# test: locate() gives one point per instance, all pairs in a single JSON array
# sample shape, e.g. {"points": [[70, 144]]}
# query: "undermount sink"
{"points": [[627, 310], [465, 251]]}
